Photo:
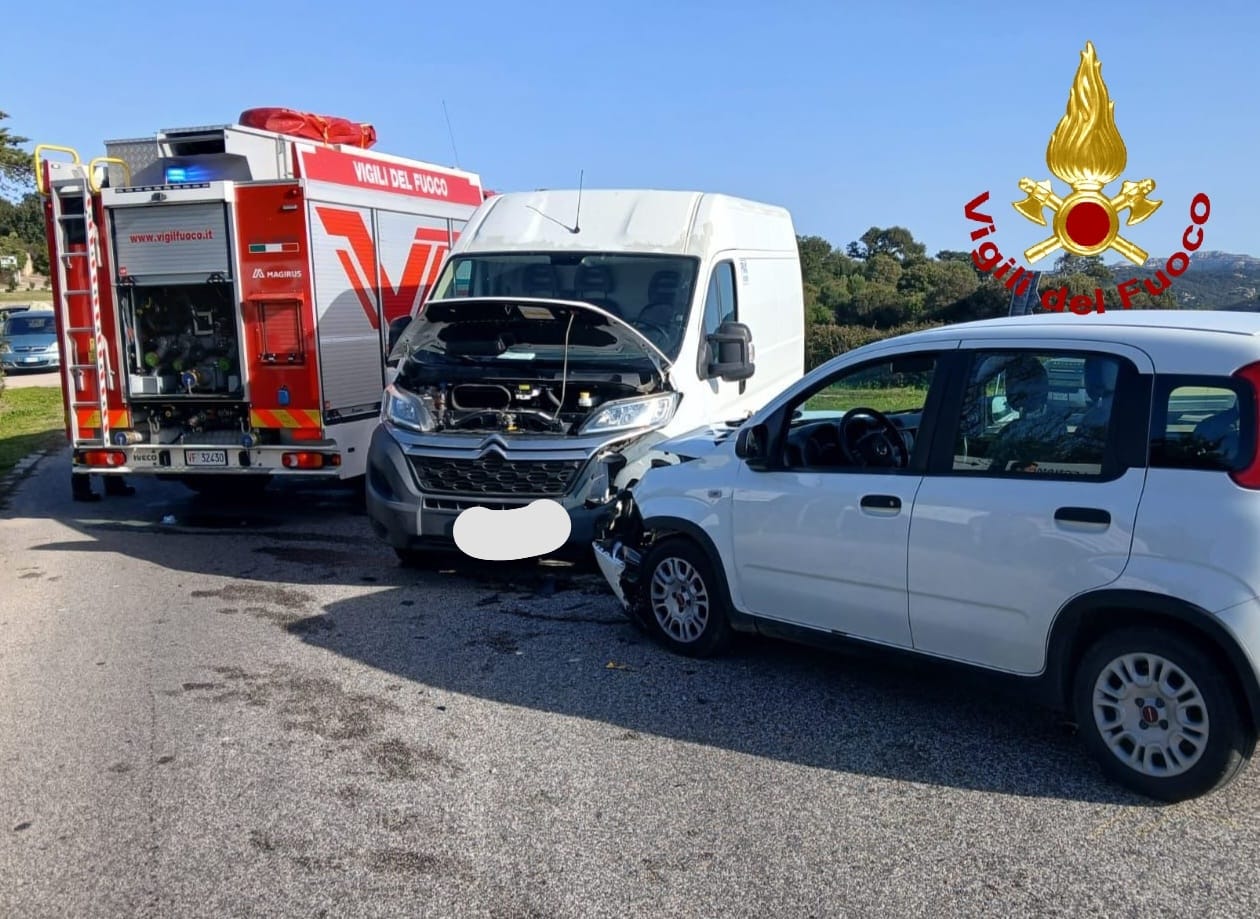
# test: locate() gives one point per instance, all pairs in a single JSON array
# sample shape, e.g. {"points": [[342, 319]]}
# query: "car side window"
{"points": [[1030, 412], [1198, 424], [817, 437], [719, 303]]}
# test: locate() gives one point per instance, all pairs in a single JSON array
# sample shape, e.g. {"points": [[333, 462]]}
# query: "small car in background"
{"points": [[28, 339], [1070, 501]]}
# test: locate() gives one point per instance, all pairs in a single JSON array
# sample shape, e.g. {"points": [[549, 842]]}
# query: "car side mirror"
{"points": [[396, 328], [730, 352], [751, 443]]}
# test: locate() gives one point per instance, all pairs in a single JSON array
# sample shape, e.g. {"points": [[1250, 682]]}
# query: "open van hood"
{"points": [[504, 329]]}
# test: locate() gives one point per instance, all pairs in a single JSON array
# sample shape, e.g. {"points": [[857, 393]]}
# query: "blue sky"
{"points": [[850, 115]]}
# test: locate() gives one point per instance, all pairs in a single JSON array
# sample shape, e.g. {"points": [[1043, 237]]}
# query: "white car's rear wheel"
{"points": [[1158, 714]]}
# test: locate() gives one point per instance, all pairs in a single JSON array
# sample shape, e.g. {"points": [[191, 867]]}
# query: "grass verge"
{"points": [[892, 399], [26, 296], [31, 421]]}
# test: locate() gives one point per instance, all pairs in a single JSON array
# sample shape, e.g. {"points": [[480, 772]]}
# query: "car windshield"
{"points": [[30, 325], [652, 293]]}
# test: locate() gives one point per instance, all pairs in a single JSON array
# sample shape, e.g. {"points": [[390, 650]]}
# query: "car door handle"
{"points": [[881, 502], [1083, 515]]}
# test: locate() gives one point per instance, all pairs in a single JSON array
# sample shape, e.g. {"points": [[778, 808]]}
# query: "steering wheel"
{"points": [[881, 445]]}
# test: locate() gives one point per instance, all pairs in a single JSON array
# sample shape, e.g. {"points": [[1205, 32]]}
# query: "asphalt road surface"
{"points": [[254, 711]]}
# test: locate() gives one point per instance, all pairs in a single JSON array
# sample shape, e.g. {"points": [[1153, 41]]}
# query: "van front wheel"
{"points": [[681, 602]]}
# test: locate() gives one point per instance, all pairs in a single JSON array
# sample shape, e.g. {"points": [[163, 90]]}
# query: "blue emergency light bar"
{"points": [[180, 175]]}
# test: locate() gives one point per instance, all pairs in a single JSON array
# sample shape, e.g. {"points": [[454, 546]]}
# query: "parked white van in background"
{"points": [[568, 332]]}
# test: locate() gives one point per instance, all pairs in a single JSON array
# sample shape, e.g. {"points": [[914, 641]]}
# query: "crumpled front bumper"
{"points": [[612, 560], [619, 547]]}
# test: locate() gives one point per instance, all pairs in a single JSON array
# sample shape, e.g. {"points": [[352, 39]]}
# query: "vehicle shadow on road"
{"points": [[558, 643], [551, 637]]}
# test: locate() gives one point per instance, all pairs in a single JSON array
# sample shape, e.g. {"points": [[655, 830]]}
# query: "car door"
{"points": [[818, 541], [1029, 497]]}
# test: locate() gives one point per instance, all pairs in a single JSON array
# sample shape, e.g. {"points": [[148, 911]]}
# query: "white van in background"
{"points": [[568, 332]]}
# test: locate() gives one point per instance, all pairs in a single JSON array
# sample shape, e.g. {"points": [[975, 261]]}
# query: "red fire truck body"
{"points": [[224, 295]]}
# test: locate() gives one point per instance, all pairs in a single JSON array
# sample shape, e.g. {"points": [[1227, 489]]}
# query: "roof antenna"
{"points": [[451, 133], [578, 213]]}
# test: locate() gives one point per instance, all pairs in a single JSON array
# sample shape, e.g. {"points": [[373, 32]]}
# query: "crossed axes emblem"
{"points": [[1133, 196]]}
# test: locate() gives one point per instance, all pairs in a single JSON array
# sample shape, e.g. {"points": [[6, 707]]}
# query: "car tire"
{"points": [[1157, 713], [681, 603]]}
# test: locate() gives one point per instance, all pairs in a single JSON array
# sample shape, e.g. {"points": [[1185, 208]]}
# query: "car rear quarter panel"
{"points": [[1197, 537]]}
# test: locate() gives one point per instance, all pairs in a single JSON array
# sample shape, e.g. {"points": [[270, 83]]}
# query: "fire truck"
{"points": [[224, 293]]}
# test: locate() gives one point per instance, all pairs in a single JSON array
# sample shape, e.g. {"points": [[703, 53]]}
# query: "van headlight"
{"points": [[406, 410], [629, 414]]}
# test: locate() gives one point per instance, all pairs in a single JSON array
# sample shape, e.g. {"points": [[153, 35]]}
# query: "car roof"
{"points": [[1229, 321], [1177, 341]]}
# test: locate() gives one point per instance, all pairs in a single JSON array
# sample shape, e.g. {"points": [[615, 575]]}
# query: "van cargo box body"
{"points": [[223, 295]]}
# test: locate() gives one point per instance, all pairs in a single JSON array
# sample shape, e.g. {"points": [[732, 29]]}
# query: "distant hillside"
{"points": [[1214, 281]]}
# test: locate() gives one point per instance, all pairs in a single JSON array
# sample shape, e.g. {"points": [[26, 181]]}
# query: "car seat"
{"points": [[539, 281], [1039, 431], [1219, 433], [662, 307], [1089, 440], [592, 284]]}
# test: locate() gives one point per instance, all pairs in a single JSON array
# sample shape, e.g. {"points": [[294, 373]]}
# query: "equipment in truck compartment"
{"points": [[328, 128]]}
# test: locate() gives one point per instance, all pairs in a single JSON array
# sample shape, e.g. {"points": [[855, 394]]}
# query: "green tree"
{"points": [[954, 281], [882, 268], [897, 242], [26, 219], [17, 174]]}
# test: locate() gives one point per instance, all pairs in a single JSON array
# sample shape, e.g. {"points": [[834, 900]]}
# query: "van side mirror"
{"points": [[751, 443], [396, 328], [730, 352]]}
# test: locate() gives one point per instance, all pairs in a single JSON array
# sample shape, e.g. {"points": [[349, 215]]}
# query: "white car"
{"points": [[1072, 500]]}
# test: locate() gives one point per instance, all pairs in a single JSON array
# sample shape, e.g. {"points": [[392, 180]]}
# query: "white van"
{"points": [[568, 332]]}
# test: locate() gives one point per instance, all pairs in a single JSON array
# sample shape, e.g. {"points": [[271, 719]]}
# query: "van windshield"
{"points": [[650, 292]]}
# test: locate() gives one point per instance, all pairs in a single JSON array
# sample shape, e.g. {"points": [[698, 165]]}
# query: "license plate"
{"points": [[31, 360], [144, 458], [205, 457]]}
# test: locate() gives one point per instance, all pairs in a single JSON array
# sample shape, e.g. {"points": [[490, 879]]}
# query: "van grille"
{"points": [[494, 475]]}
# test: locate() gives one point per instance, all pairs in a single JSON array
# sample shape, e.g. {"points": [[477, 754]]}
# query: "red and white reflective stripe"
{"points": [[94, 287]]}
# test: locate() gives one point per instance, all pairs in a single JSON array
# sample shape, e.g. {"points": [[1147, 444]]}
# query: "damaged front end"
{"points": [[620, 546]]}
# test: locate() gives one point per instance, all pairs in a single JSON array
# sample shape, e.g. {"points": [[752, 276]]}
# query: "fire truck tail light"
{"points": [[104, 458], [310, 460]]}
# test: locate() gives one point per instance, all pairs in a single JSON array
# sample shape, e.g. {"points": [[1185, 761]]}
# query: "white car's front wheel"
{"points": [[1158, 714], [681, 603]]}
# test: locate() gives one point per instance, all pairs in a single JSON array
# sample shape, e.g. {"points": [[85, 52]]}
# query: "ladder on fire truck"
{"points": [[70, 188]]}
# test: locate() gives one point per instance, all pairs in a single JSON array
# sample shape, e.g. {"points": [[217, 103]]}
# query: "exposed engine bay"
{"points": [[181, 340], [519, 406], [490, 364]]}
